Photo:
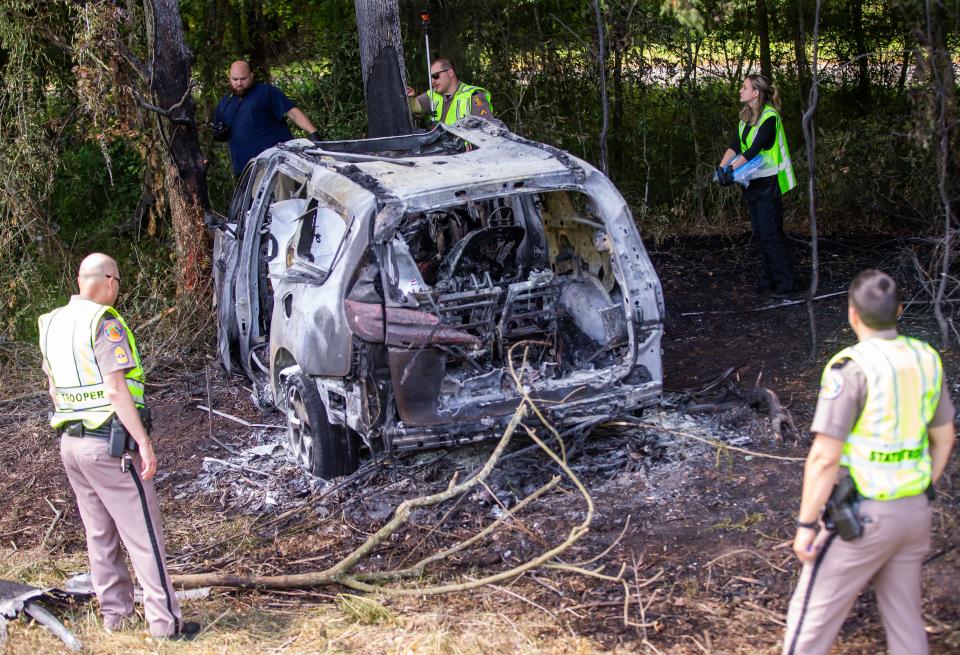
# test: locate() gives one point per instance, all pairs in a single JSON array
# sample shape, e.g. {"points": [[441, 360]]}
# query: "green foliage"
{"points": [[91, 200], [75, 151]]}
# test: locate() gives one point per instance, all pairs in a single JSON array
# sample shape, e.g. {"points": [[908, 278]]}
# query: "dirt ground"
{"points": [[688, 551]]}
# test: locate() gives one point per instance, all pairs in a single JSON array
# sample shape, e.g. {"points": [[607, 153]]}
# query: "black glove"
{"points": [[315, 137], [220, 130], [726, 176]]}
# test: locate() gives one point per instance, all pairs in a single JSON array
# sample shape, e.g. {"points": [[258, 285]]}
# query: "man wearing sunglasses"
{"points": [[450, 99], [96, 382]]}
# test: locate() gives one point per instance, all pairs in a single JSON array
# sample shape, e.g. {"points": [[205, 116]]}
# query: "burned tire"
{"points": [[320, 447]]}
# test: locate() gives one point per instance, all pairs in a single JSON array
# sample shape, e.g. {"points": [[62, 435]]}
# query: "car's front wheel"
{"points": [[324, 449]]}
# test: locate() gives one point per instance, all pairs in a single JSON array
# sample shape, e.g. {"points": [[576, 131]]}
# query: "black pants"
{"points": [[766, 220]]}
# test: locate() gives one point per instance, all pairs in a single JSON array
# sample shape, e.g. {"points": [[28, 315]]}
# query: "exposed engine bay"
{"points": [[468, 287]]}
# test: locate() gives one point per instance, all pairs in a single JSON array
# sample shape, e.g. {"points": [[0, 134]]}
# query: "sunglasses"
{"points": [[436, 75], [112, 277]]}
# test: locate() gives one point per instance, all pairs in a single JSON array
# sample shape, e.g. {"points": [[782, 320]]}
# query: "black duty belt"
{"points": [[78, 429]]}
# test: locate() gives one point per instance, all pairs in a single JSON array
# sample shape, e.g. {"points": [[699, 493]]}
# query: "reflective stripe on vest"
{"points": [[887, 450], [459, 105], [67, 337], [776, 158]]}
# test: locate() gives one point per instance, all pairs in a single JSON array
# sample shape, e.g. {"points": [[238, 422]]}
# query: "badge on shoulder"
{"points": [[832, 385], [113, 331]]}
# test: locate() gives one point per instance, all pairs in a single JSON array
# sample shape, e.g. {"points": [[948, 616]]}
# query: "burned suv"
{"points": [[374, 290]]}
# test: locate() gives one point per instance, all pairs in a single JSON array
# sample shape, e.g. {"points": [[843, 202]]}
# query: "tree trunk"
{"points": [[381, 62], [800, 50], [810, 136], [763, 31], [184, 165], [860, 41], [943, 88], [602, 74], [618, 109]]}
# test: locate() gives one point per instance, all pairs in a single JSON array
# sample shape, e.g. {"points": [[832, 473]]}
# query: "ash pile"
{"points": [[260, 479]]}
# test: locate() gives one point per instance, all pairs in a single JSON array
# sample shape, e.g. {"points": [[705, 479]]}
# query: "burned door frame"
{"points": [[246, 287]]}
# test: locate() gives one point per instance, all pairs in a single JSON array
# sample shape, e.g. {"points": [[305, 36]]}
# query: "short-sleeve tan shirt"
{"points": [[111, 346], [837, 413]]}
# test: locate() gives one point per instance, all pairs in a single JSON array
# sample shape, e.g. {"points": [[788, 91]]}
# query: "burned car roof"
{"points": [[439, 170]]}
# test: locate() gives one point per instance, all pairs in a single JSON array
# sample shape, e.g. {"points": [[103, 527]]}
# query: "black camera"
{"points": [[220, 130]]}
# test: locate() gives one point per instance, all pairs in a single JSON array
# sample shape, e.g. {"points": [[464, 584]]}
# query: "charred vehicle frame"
{"points": [[373, 290]]}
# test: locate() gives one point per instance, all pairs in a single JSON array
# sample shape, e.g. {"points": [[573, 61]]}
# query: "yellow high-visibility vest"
{"points": [[459, 105], [776, 158], [67, 336], [887, 451]]}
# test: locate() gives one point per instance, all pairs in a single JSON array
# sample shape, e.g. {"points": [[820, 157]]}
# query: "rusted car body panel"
{"points": [[460, 255]]}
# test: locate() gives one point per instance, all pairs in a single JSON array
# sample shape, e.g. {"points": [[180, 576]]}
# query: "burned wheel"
{"points": [[323, 449]]}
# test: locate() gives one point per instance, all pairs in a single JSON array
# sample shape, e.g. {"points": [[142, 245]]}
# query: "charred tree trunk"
{"points": [[763, 31], [185, 175], [381, 61]]}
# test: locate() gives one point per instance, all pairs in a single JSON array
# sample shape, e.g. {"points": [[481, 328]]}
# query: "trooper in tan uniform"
{"points": [[884, 418], [94, 373]]}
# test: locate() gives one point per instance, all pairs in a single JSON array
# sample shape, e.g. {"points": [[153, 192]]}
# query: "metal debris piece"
{"points": [[16, 598]]}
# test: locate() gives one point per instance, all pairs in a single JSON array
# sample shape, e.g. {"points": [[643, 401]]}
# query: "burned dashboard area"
{"points": [[459, 296]]}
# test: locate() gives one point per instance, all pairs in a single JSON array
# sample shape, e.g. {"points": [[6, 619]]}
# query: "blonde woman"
{"points": [[760, 134]]}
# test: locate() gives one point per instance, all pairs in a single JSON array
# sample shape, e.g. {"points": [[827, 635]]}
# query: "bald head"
{"points": [[99, 278], [241, 77]]}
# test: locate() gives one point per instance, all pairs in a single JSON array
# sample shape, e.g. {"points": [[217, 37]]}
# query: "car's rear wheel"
{"points": [[324, 449]]}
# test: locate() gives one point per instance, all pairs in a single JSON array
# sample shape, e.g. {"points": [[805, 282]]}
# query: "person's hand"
{"points": [[410, 92], [315, 137], [808, 542], [148, 461], [726, 177]]}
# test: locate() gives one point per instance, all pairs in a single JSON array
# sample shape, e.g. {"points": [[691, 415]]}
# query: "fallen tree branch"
{"points": [[765, 308], [339, 573], [778, 415], [710, 442]]}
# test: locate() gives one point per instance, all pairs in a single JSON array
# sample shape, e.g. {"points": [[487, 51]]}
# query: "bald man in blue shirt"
{"points": [[253, 117]]}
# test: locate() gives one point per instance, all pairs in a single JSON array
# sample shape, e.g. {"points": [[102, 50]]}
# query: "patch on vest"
{"points": [[120, 355], [113, 331], [832, 385], [478, 100]]}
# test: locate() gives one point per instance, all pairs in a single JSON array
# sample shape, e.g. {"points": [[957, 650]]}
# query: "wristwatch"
{"points": [[812, 525]]}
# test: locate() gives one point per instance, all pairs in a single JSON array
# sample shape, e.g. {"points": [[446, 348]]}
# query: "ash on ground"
{"points": [[264, 479], [260, 479]]}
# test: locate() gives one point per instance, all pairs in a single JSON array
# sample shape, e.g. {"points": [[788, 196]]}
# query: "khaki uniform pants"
{"points": [[118, 506], [890, 554]]}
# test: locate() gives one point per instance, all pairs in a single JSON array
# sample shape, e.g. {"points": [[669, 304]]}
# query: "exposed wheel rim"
{"points": [[299, 429]]}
